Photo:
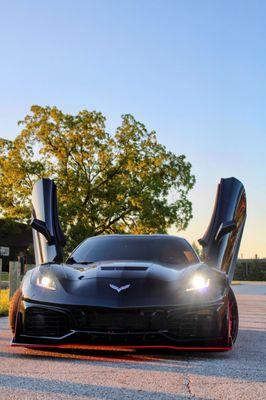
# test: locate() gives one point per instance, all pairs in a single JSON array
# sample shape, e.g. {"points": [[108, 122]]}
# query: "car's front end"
{"points": [[124, 304]]}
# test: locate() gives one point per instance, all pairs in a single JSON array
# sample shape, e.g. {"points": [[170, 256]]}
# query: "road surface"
{"points": [[239, 374]]}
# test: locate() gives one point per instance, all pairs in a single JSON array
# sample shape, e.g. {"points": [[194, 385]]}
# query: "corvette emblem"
{"points": [[119, 289]]}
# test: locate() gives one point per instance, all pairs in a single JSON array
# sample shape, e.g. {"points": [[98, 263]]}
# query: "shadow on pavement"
{"points": [[232, 364]]}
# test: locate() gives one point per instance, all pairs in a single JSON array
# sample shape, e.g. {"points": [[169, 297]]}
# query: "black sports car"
{"points": [[131, 291]]}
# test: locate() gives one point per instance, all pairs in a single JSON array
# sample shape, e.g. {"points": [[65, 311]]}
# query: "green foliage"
{"points": [[4, 302], [127, 182], [4, 276], [251, 271]]}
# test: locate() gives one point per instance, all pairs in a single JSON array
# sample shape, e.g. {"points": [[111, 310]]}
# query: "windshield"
{"points": [[166, 250]]}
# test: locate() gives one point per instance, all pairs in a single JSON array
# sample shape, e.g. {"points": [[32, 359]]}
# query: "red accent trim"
{"points": [[230, 322], [79, 346]]}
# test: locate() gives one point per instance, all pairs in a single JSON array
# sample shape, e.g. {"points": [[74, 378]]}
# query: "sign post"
{"points": [[4, 251]]}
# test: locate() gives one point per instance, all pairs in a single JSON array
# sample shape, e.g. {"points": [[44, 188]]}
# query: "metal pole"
{"points": [[14, 277]]}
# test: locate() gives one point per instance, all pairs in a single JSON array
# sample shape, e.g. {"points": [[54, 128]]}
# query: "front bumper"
{"points": [[195, 328]]}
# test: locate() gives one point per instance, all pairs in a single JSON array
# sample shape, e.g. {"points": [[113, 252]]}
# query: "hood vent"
{"points": [[124, 268]]}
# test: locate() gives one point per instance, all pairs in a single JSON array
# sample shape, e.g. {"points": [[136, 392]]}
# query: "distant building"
{"points": [[17, 238]]}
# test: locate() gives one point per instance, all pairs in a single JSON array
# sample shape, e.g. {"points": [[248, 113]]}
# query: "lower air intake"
{"points": [[45, 322]]}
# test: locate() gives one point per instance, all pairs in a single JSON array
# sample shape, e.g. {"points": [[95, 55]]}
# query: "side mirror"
{"points": [[225, 227], [40, 226]]}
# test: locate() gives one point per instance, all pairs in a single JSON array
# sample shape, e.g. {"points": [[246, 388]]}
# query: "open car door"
{"points": [[48, 238], [222, 239]]}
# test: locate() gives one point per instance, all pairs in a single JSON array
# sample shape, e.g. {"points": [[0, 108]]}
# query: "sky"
{"points": [[194, 71]]}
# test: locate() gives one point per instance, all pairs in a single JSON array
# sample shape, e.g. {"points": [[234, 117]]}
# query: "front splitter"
{"points": [[80, 346]]}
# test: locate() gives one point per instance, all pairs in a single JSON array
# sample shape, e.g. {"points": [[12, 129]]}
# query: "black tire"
{"points": [[233, 315], [13, 309]]}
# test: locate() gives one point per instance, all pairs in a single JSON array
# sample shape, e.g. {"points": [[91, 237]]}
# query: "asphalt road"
{"points": [[239, 374]]}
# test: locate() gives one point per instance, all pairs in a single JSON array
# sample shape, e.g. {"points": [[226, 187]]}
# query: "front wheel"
{"points": [[233, 318]]}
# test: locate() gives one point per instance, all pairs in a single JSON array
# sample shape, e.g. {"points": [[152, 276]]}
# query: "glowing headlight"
{"points": [[198, 282], [46, 282]]}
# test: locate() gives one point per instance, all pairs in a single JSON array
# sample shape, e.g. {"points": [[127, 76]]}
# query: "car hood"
{"points": [[122, 270], [120, 284]]}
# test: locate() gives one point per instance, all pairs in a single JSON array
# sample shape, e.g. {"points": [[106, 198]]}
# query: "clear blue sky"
{"points": [[195, 71]]}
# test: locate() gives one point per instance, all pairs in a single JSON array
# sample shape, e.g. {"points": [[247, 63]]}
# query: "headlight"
{"points": [[46, 282], [198, 282]]}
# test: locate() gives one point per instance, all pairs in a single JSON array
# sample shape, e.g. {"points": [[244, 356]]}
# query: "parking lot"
{"points": [[238, 374]]}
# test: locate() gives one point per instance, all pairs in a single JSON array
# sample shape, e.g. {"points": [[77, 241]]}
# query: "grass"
{"points": [[4, 302], [4, 276]]}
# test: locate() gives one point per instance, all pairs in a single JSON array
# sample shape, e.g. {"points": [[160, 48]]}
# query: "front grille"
{"points": [[117, 320], [175, 323], [45, 322], [169, 322]]}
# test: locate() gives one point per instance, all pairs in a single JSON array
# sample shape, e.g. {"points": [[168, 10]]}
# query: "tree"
{"points": [[106, 183]]}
